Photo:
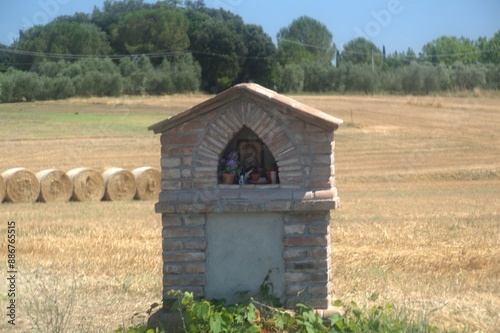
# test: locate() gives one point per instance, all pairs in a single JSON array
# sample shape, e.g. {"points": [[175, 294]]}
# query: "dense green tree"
{"points": [[72, 70], [467, 76], [260, 56], [168, 3], [218, 45], [51, 68], [360, 78], [492, 76], [190, 45], [423, 78], [318, 77], [18, 86], [431, 80], [60, 87], [195, 4], [98, 84], [102, 65], [186, 73], [400, 59], [410, 56], [99, 77], [393, 60], [58, 37], [75, 18], [443, 74], [490, 49], [134, 71], [292, 78], [412, 79], [361, 51], [305, 39], [448, 50], [389, 80], [151, 30], [113, 12], [5, 58]]}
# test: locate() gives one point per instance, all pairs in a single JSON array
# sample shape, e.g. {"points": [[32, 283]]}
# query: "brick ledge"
{"points": [[242, 199]]}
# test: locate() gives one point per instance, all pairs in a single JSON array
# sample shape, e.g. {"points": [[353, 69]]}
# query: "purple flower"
{"points": [[229, 164]]}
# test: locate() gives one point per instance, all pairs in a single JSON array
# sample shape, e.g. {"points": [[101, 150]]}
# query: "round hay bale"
{"points": [[119, 183], [88, 184], [2, 189], [55, 186], [21, 185], [148, 181]]}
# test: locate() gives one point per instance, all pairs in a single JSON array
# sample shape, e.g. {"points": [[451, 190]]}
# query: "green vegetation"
{"points": [[203, 316], [183, 46], [100, 77], [264, 313], [85, 124]]}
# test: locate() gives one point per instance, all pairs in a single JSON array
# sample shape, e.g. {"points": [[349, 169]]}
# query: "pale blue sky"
{"points": [[397, 24]]}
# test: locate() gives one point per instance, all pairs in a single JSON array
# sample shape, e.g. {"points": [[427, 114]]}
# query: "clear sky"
{"points": [[397, 24]]}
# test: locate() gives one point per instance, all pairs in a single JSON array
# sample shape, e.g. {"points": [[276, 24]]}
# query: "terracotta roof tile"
{"points": [[258, 93]]}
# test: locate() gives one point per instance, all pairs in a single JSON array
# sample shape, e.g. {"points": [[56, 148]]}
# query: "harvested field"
{"points": [[418, 177]]}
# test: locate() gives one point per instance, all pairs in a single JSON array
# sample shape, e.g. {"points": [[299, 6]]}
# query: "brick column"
{"points": [[184, 246], [307, 259]]}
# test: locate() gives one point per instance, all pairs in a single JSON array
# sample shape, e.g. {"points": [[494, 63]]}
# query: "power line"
{"points": [[379, 54], [167, 53], [304, 44], [69, 56], [158, 54]]}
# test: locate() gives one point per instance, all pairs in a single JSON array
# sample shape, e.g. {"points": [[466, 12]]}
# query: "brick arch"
{"points": [[229, 120]]}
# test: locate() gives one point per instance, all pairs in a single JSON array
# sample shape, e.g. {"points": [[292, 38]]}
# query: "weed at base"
{"points": [[51, 304], [216, 317]]}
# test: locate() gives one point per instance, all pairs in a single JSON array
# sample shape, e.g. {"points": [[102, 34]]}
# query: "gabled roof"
{"points": [[258, 94]]}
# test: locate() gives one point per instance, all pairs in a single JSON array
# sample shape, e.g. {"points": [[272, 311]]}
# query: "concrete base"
{"points": [[242, 249]]}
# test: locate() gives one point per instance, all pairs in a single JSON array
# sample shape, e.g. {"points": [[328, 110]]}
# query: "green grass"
{"points": [[62, 119], [35, 125]]}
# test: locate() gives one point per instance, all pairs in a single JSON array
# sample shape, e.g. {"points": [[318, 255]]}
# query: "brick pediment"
{"points": [[288, 106]]}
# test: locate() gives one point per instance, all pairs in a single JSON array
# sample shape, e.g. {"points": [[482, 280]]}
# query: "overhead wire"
{"points": [[70, 56], [167, 53]]}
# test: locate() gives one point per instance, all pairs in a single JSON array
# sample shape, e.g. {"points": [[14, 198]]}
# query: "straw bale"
{"points": [[88, 184], [2, 189], [148, 181], [119, 183], [55, 186], [21, 185]]}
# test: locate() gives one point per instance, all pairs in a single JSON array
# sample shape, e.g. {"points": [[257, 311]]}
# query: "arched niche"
{"points": [[252, 156], [226, 124]]}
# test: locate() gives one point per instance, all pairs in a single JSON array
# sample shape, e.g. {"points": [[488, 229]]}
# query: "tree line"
{"points": [[173, 46]]}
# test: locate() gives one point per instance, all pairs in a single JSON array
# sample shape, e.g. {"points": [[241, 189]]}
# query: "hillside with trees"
{"points": [[174, 46]]}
